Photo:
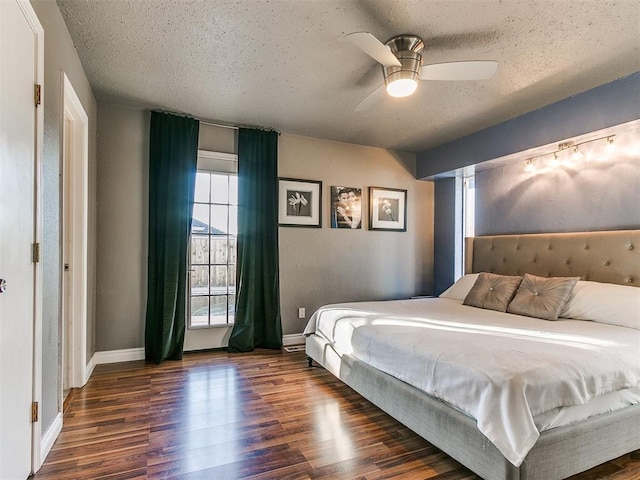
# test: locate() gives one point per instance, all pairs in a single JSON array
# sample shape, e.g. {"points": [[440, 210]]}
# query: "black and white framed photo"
{"points": [[387, 209], [299, 203], [346, 207]]}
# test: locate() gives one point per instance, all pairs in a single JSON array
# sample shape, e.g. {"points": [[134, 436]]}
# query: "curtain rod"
{"points": [[218, 124], [236, 127], [233, 127]]}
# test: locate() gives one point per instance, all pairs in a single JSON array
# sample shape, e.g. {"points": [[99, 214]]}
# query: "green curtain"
{"points": [[257, 322], [173, 156]]}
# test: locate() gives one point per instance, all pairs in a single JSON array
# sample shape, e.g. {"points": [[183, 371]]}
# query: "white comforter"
{"points": [[500, 369]]}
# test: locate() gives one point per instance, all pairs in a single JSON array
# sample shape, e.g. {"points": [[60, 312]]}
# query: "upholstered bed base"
{"points": [[610, 257], [559, 452]]}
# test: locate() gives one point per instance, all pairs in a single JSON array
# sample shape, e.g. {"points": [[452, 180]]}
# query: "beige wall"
{"points": [[123, 143], [61, 56], [123, 208], [218, 139], [328, 265], [317, 266]]}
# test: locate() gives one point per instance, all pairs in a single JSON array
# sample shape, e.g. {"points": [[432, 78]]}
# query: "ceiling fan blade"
{"points": [[374, 48], [373, 98], [474, 70]]}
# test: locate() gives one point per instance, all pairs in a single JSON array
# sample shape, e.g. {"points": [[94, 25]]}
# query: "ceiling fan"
{"points": [[401, 60]]}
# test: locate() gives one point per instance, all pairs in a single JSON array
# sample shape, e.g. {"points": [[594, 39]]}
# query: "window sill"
{"points": [[209, 327]]}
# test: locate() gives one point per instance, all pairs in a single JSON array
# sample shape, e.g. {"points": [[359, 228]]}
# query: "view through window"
{"points": [[464, 220], [213, 250], [468, 216]]}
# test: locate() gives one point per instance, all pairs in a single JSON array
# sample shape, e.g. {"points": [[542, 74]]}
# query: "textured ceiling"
{"points": [[284, 64]]}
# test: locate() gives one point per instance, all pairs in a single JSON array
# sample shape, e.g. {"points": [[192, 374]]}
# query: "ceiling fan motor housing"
{"points": [[408, 50]]}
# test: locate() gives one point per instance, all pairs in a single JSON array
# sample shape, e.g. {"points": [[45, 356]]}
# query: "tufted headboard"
{"points": [[609, 257]]}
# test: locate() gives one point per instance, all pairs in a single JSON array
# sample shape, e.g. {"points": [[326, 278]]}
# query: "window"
{"points": [[213, 242], [468, 215], [464, 222], [469, 208]]}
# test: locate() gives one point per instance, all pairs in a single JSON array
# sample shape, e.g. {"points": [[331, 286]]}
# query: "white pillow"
{"points": [[460, 289], [604, 303]]}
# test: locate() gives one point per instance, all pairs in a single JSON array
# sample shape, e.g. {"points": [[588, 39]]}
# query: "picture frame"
{"points": [[387, 209], [346, 207], [299, 203]]}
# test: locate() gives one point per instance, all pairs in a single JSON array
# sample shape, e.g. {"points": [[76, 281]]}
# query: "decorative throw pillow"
{"points": [[461, 288], [542, 297], [493, 292]]}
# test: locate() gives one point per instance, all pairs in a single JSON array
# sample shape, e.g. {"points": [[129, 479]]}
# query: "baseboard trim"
{"points": [[88, 369], [133, 354], [49, 437], [117, 356], [293, 339]]}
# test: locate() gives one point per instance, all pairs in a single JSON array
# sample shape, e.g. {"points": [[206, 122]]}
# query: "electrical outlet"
{"points": [[301, 312]]}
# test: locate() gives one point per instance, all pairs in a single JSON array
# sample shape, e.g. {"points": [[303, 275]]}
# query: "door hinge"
{"points": [[37, 94], [34, 412], [36, 252]]}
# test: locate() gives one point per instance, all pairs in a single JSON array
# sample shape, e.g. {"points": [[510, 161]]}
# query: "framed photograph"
{"points": [[346, 207], [387, 209], [299, 203]]}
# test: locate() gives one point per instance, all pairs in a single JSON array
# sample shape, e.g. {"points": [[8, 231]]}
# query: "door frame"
{"points": [[74, 146], [33, 21]]}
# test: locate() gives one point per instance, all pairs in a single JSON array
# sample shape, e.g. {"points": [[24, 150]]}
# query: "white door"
{"points": [[17, 235]]}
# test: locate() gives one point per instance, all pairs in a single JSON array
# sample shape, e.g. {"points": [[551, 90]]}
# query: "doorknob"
{"points": [[3, 285]]}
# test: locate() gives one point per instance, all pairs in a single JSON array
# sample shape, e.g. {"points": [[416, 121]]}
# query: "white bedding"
{"points": [[501, 369]]}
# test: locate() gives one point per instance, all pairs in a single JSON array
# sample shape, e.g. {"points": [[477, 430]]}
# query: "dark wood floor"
{"points": [[262, 415]]}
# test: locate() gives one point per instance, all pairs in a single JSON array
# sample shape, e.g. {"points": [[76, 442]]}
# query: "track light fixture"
{"points": [[576, 155], [610, 145], [530, 167]]}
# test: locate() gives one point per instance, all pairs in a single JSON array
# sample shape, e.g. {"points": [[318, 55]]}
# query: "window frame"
{"points": [[464, 217], [223, 164], [468, 213]]}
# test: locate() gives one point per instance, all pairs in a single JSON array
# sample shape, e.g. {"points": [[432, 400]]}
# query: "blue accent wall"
{"points": [[599, 195], [444, 234], [605, 106]]}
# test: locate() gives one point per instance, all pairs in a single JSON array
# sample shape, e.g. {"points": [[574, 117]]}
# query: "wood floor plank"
{"points": [[263, 415]]}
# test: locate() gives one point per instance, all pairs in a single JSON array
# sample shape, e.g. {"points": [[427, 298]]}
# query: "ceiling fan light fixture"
{"points": [[402, 87], [403, 81], [401, 60]]}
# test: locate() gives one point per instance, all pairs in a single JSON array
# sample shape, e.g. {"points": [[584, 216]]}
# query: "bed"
{"points": [[434, 363]]}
